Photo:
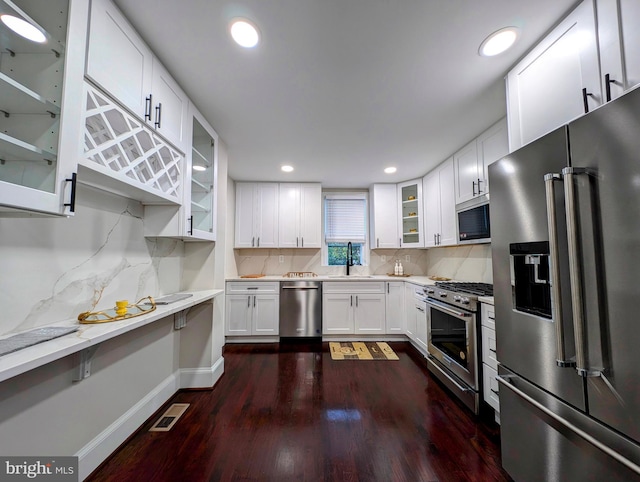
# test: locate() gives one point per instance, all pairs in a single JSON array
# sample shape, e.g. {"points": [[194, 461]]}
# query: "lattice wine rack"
{"points": [[115, 139]]}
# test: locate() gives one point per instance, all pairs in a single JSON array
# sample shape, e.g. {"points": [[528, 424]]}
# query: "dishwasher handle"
{"points": [[300, 287]]}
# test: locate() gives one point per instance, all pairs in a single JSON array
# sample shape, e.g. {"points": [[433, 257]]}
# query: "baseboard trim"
{"points": [[97, 450], [202, 377]]}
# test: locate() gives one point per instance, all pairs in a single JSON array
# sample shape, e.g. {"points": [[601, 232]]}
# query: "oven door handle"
{"points": [[446, 308]]}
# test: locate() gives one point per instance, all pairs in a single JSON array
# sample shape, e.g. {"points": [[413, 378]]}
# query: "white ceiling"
{"points": [[340, 89]]}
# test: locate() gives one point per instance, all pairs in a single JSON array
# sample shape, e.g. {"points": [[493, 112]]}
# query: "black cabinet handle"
{"points": [[474, 188], [494, 391], [607, 86], [585, 100], [72, 200], [158, 115], [190, 232], [479, 181], [147, 108]]}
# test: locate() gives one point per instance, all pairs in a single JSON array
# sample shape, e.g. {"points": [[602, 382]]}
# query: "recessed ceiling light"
{"points": [[23, 28], [498, 41], [197, 167], [244, 33], [287, 168], [390, 170]]}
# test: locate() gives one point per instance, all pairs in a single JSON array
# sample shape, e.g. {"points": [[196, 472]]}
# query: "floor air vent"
{"points": [[169, 418]]}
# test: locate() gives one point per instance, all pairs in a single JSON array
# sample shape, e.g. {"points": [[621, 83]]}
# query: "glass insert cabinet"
{"points": [[38, 78], [410, 207]]}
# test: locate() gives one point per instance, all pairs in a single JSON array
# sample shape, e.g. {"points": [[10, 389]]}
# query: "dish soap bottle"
{"points": [[400, 269], [396, 270]]}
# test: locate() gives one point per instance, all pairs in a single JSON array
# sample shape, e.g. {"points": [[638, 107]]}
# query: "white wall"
{"points": [[462, 263], [55, 268]]}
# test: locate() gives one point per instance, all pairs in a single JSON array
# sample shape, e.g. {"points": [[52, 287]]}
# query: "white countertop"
{"points": [[26, 359], [486, 299], [421, 280]]}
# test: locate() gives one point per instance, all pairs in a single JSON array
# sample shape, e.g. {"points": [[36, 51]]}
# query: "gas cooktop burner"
{"points": [[479, 289]]}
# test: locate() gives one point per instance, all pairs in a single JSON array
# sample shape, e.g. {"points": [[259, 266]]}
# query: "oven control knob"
{"points": [[457, 298], [442, 294], [430, 291], [465, 301]]}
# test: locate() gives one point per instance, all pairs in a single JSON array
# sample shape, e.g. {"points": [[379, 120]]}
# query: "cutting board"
{"points": [[252, 276]]}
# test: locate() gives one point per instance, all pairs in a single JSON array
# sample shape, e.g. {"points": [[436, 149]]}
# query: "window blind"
{"points": [[345, 220]]}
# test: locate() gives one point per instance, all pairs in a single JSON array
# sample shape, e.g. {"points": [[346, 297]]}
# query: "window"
{"points": [[345, 216]]}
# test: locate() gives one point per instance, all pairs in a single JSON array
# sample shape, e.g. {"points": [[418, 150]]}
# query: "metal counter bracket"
{"points": [[180, 320], [83, 367]]}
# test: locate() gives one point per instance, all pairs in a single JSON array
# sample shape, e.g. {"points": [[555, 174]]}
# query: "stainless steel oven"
{"points": [[452, 337]]}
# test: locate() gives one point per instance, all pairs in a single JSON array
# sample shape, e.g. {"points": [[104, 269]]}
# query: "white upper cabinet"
{"points": [[493, 145], [41, 117], [300, 220], [119, 61], [439, 206], [195, 218], [256, 215], [557, 81], [384, 216], [619, 44], [469, 179], [410, 214]]}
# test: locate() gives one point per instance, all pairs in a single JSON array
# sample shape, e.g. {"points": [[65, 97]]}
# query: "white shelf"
{"points": [[22, 361], [200, 185], [199, 207], [19, 99], [12, 149], [199, 155]]}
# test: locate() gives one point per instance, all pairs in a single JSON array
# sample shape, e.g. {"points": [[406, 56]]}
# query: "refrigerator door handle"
{"points": [[556, 298], [575, 273], [593, 441]]}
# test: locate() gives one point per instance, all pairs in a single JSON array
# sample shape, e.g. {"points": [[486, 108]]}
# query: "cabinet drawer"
{"points": [[353, 287], [253, 287], [487, 316], [489, 347], [490, 387]]}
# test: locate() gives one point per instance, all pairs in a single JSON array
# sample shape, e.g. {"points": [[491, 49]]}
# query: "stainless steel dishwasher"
{"points": [[300, 309]]}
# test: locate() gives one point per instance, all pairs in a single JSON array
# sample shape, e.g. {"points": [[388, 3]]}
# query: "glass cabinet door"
{"points": [[32, 76], [410, 213], [201, 222]]}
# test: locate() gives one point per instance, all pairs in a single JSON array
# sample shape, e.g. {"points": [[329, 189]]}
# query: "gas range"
{"points": [[462, 294]]}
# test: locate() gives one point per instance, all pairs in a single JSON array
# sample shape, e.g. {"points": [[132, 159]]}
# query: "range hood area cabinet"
{"points": [[41, 125], [471, 162], [591, 57], [300, 219], [121, 63], [195, 218], [439, 206], [383, 215]]}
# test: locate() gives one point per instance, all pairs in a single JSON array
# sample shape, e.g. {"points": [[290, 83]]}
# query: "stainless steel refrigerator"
{"points": [[565, 216]]}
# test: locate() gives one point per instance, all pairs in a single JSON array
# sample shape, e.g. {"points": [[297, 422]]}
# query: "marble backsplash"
{"points": [[462, 263], [55, 268]]}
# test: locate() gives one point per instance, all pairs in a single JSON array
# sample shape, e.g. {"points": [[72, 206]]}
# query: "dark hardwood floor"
{"points": [[290, 412]]}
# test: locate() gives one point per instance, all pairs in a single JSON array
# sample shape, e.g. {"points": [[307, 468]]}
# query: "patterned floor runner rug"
{"points": [[370, 350]]}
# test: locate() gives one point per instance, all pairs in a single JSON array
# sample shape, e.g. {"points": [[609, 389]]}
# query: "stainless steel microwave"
{"points": [[474, 225]]}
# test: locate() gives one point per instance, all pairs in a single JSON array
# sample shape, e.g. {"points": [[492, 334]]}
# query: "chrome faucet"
{"points": [[349, 256]]}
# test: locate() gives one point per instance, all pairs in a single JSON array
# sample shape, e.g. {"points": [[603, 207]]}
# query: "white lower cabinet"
{"points": [[489, 358], [252, 309], [353, 308], [411, 318], [394, 307], [421, 324]]}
